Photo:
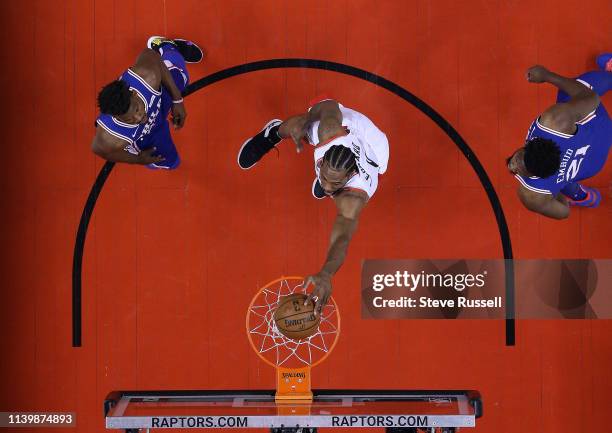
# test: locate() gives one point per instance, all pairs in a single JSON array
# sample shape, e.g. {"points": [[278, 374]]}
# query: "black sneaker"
{"points": [[256, 147], [189, 50], [317, 190]]}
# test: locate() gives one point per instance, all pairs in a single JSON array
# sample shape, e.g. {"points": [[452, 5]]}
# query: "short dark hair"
{"points": [[542, 157], [340, 158], [114, 98]]}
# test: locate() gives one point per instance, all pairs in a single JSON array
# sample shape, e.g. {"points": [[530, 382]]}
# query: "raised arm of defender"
{"points": [[563, 116]]}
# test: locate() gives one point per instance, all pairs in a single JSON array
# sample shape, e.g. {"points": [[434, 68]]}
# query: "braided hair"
{"points": [[340, 158], [542, 157]]}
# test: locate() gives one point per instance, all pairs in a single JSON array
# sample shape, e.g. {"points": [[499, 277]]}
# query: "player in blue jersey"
{"points": [[568, 143], [133, 123]]}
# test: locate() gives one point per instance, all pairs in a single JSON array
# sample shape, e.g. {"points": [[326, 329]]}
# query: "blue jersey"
{"points": [[583, 154], [136, 136]]}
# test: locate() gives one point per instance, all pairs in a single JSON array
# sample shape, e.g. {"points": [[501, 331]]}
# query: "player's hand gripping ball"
{"points": [[321, 291]]}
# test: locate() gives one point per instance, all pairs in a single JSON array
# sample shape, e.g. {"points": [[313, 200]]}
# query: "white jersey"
{"points": [[368, 143]]}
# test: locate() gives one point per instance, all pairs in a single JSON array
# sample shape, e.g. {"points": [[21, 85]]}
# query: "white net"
{"points": [[279, 349]]}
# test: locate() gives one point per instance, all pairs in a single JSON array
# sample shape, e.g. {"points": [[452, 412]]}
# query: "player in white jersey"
{"points": [[349, 154]]}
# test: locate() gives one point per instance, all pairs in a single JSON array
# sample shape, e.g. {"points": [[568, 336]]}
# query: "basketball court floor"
{"points": [[172, 259]]}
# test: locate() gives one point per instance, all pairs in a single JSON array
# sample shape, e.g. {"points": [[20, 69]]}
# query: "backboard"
{"points": [[134, 410]]}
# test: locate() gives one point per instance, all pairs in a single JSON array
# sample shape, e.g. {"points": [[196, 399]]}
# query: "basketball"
{"points": [[294, 319]]}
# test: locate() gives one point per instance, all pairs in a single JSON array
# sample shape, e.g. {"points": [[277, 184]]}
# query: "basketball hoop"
{"points": [[292, 359]]}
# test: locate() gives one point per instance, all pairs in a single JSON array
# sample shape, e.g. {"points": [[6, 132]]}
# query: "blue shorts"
{"points": [[160, 137]]}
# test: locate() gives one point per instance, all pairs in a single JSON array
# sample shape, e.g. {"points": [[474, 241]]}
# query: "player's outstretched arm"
{"points": [[153, 70], [349, 205], [563, 116], [544, 204]]}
